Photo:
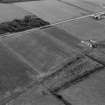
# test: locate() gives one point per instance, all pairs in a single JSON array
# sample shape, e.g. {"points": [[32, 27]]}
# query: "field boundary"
{"points": [[50, 25]]}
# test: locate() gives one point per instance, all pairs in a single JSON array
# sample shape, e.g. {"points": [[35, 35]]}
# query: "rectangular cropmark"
{"points": [[42, 52]]}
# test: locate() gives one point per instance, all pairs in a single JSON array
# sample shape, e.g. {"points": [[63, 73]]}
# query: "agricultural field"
{"points": [[86, 5], [15, 75], [35, 96], [87, 92], [52, 10], [42, 60], [8, 12], [84, 29], [98, 2], [70, 72], [62, 35], [42, 51]]}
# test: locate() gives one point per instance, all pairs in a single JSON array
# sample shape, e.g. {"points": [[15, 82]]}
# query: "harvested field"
{"points": [[42, 51], [84, 29], [15, 75], [52, 10], [62, 35]]}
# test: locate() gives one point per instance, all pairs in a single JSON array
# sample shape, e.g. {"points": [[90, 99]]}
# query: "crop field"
{"points": [[52, 10], [8, 12], [84, 29], [35, 97], [62, 35], [14, 75], [42, 58], [86, 5], [98, 54], [91, 91], [41, 50]]}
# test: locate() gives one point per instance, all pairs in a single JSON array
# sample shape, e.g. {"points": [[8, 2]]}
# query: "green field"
{"points": [[14, 74], [41, 50], [62, 35], [35, 96], [90, 91], [52, 10], [84, 29]]}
